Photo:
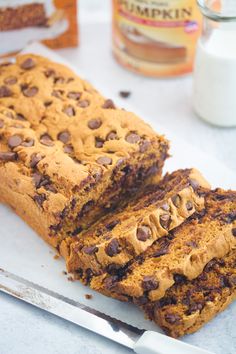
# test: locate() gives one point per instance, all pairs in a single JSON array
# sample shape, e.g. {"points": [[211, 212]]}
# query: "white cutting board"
{"points": [[25, 254]]}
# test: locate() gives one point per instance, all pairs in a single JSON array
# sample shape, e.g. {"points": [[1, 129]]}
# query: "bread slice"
{"points": [[113, 242], [188, 305], [184, 252]]}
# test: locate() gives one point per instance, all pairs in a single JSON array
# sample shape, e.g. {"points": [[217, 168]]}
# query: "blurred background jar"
{"points": [[214, 93], [156, 37]]}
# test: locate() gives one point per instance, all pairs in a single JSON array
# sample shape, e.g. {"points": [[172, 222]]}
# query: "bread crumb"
{"points": [[70, 278], [88, 296], [56, 256]]}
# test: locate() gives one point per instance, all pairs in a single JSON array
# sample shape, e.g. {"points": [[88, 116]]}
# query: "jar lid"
{"points": [[218, 10]]}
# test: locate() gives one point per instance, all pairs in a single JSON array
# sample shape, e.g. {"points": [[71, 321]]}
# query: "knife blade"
{"points": [[141, 341]]}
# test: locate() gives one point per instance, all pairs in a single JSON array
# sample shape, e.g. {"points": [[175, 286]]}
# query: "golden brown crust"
{"points": [[66, 150]]}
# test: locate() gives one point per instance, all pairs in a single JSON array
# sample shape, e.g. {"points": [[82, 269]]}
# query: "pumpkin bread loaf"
{"points": [[67, 155]]}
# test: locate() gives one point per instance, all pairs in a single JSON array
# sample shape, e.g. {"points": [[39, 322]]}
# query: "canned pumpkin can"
{"points": [[156, 37]]}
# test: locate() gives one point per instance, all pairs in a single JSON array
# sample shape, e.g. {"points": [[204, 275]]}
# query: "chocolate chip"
{"points": [[192, 244], [86, 208], [74, 95], [142, 300], [69, 110], [40, 180], [45, 139], [166, 301], [90, 249], [49, 73], [1, 123], [30, 91], [172, 318], [132, 138], [163, 244], [165, 220], [176, 200], [180, 279], [64, 137], [50, 188], [94, 123], [28, 142], [149, 283], [124, 94], [110, 226], [40, 198], [8, 156], [14, 141], [37, 178], [224, 282], [194, 307], [104, 160], [83, 103], [144, 146], [232, 280], [9, 115], [20, 116], [28, 64], [99, 143], [57, 93], [202, 277], [35, 158], [5, 92], [47, 103], [110, 282], [229, 218], [143, 233], [56, 227], [113, 248], [194, 183], [108, 104], [10, 80], [210, 265], [59, 80], [113, 268], [68, 149], [111, 136], [189, 205], [76, 231], [234, 232], [165, 207]]}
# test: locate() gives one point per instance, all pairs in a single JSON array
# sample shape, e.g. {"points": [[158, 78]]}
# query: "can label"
{"points": [[156, 37]]}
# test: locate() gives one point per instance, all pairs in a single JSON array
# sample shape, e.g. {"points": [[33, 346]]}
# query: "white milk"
{"points": [[214, 97]]}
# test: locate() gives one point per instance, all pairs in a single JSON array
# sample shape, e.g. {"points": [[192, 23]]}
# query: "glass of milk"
{"points": [[214, 93]]}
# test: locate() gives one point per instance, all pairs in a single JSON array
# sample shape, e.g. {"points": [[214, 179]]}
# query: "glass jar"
{"points": [[214, 91]]}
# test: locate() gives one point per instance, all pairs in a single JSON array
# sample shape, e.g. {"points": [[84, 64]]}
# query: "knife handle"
{"points": [[156, 343]]}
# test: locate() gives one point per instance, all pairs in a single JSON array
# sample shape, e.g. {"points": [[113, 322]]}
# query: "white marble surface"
{"points": [[24, 329]]}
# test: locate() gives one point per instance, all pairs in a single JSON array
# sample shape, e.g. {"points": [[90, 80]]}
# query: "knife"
{"points": [[141, 341]]}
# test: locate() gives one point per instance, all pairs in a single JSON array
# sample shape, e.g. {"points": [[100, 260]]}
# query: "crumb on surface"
{"points": [[64, 272], [56, 256], [88, 296], [70, 278], [124, 94]]}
